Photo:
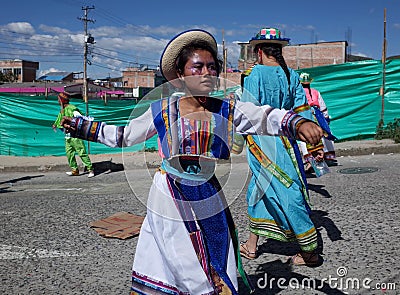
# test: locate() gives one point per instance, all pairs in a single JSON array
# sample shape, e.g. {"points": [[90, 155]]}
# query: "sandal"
{"points": [[305, 258], [244, 252]]}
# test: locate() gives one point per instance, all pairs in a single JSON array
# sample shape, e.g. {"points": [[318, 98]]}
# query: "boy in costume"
{"points": [[72, 145], [316, 101]]}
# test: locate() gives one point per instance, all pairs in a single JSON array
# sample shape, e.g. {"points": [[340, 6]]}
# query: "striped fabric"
{"points": [[85, 129], [301, 108], [312, 148], [144, 285], [295, 157], [211, 241], [290, 124], [195, 137], [198, 245], [199, 137], [268, 228], [267, 163]]}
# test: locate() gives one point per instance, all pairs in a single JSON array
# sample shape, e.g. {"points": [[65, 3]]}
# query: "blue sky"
{"points": [[127, 33]]}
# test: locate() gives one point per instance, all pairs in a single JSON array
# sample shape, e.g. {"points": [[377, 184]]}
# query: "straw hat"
{"points": [[269, 35], [175, 46], [64, 97], [305, 78]]}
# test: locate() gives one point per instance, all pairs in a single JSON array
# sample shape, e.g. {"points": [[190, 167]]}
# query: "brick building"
{"points": [[135, 77], [302, 55], [315, 54], [23, 70]]}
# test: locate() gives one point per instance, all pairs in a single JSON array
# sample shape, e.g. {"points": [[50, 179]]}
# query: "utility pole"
{"points": [[88, 39], [384, 47], [224, 52]]}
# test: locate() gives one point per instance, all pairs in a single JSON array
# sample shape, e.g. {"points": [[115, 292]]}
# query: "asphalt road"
{"points": [[47, 246]]}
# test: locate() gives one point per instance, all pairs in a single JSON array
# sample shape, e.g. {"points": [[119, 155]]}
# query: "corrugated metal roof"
{"points": [[55, 76]]}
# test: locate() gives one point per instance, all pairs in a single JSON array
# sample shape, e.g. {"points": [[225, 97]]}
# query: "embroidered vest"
{"points": [[181, 136]]}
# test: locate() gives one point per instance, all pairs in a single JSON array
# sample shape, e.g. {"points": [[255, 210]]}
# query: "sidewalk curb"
{"points": [[375, 147], [115, 162]]}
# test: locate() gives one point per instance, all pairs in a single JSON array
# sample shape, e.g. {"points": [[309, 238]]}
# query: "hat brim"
{"points": [[282, 42], [175, 46]]}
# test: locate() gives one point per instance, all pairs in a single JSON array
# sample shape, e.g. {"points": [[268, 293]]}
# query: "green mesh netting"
{"points": [[351, 93], [25, 124]]}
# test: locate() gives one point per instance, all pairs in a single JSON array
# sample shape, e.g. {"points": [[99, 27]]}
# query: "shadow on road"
{"points": [[106, 167], [15, 180], [322, 221], [319, 189], [276, 276], [20, 179]]}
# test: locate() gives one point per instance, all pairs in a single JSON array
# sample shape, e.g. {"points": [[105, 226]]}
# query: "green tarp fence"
{"points": [[25, 124], [351, 92]]}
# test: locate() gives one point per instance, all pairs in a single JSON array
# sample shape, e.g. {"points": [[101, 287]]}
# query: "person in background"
{"points": [[277, 194], [72, 145], [188, 242], [315, 99]]}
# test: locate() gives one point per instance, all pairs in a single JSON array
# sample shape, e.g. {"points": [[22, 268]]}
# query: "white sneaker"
{"points": [[72, 173], [91, 174]]}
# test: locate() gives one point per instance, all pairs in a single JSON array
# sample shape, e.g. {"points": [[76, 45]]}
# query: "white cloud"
{"points": [[54, 30], [161, 31], [146, 48], [50, 70], [77, 39], [106, 31], [116, 48], [20, 27], [359, 54]]}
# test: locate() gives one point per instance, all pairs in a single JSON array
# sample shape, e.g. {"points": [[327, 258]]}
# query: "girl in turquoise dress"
{"points": [[277, 194]]}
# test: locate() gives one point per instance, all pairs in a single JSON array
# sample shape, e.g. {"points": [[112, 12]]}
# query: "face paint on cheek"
{"points": [[201, 63]]}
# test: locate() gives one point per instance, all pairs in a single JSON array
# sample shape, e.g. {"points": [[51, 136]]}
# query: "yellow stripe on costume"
{"points": [[261, 157], [92, 131], [166, 121], [302, 108], [313, 148]]}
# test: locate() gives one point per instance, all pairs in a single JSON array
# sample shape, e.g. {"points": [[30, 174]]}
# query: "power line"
{"points": [[128, 55], [137, 28], [25, 44]]}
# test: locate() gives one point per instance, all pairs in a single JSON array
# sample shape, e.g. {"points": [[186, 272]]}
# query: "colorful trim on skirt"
{"points": [[269, 228], [142, 284]]}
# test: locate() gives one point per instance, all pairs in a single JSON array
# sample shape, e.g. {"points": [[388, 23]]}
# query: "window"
{"points": [[17, 71]]}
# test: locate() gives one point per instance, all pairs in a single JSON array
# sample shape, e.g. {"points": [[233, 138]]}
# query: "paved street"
{"points": [[47, 247]]}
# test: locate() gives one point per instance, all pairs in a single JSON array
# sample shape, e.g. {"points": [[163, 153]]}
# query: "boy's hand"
{"points": [[66, 123]]}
